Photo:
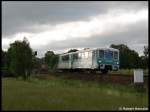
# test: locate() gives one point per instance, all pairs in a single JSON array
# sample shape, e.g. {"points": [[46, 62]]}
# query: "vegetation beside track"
{"points": [[60, 94]]}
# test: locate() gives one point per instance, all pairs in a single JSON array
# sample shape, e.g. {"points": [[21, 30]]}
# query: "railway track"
{"points": [[99, 77]]}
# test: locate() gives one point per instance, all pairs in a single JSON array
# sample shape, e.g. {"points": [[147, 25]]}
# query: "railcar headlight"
{"points": [[100, 61], [117, 63]]}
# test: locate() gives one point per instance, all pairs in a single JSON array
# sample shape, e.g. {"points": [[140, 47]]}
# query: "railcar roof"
{"points": [[84, 50]]}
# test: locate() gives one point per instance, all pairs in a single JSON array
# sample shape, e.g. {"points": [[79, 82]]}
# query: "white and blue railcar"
{"points": [[102, 59]]}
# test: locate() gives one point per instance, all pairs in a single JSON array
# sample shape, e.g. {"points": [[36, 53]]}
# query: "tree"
{"points": [[72, 50], [128, 58], [20, 57], [51, 59], [146, 53], [36, 63], [144, 59], [5, 61]]}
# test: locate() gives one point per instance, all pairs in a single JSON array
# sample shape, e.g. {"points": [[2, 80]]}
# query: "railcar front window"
{"points": [[108, 55], [115, 55]]}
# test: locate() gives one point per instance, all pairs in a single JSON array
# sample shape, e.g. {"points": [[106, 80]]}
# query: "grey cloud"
{"points": [[135, 38], [20, 16]]}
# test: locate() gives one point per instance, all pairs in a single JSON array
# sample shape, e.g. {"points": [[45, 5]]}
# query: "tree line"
{"points": [[21, 60], [130, 59]]}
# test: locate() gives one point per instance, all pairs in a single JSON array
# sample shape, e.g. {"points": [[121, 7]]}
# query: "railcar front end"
{"points": [[107, 60]]}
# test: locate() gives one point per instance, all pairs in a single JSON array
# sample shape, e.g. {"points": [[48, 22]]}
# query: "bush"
{"points": [[7, 73]]}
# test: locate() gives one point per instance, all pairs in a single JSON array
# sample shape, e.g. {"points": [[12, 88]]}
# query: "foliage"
{"points": [[128, 58], [37, 62], [51, 59], [20, 58], [146, 53], [3, 58], [72, 50], [145, 58]]}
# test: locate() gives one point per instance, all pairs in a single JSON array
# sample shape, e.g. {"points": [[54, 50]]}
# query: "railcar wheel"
{"points": [[59, 71], [104, 71], [93, 71]]}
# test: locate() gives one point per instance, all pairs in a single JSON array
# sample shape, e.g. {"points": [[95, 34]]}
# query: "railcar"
{"points": [[98, 59]]}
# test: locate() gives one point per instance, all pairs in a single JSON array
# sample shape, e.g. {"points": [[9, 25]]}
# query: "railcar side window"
{"points": [[75, 56], [86, 54], [115, 55], [101, 53], [60, 58], [65, 58], [80, 55]]}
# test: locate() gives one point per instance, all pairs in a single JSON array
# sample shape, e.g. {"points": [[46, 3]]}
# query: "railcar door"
{"points": [[94, 62], [71, 61]]}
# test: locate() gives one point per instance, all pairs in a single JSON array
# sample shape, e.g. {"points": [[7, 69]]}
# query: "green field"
{"points": [[60, 94]]}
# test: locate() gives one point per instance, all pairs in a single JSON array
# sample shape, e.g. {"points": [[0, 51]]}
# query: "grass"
{"points": [[61, 94]]}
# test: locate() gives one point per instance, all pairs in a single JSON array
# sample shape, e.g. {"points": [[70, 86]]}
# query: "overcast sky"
{"points": [[59, 26]]}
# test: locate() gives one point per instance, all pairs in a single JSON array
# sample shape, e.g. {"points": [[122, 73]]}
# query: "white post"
{"points": [[138, 79], [138, 76]]}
